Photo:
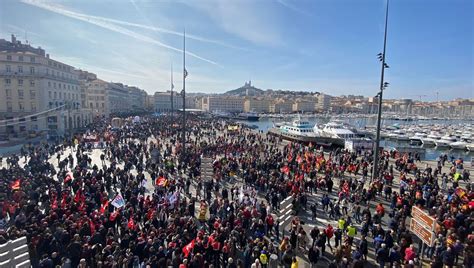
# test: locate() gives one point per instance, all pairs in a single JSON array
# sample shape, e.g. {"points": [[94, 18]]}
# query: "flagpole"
{"points": [[172, 86], [183, 152]]}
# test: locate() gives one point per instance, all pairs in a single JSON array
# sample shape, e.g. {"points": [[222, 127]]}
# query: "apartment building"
{"points": [[304, 106], [37, 93], [258, 105], [281, 106], [96, 98], [117, 99], [163, 101], [324, 102], [222, 104]]}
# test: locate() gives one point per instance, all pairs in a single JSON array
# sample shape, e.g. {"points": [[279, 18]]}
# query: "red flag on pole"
{"points": [[114, 215], [16, 185], [161, 181], [54, 204], [104, 206], [92, 226], [187, 249], [64, 201], [285, 169], [131, 224]]}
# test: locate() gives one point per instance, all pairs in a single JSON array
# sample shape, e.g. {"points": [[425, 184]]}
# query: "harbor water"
{"points": [[361, 123]]}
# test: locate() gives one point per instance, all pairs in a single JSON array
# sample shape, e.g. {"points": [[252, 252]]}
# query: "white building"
{"points": [[324, 102], [37, 93]]}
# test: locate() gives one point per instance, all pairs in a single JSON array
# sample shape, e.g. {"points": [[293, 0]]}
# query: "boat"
{"points": [[459, 145], [428, 141], [221, 114], [416, 140], [442, 143], [305, 132], [470, 147], [338, 130], [250, 116]]}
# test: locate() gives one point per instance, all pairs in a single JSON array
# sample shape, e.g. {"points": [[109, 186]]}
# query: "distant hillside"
{"points": [[245, 90]]}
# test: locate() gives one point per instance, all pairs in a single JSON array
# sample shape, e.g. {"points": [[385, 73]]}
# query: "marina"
{"points": [[432, 137]]}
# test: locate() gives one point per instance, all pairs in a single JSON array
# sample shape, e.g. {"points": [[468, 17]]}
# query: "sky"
{"points": [[328, 46]]}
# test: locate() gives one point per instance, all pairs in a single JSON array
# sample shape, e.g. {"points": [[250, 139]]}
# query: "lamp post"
{"points": [[185, 73], [383, 85]]}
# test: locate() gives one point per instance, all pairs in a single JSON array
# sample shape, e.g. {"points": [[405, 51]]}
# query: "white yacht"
{"points": [[445, 141], [428, 141], [299, 127], [470, 147], [338, 130], [459, 145]]}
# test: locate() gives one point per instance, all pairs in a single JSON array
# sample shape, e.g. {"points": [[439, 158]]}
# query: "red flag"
{"points": [[161, 181], [150, 213], [68, 178], [114, 215], [131, 224], [290, 157], [16, 185], [92, 226], [64, 201], [299, 159], [78, 196], [54, 204], [285, 169], [187, 249], [104, 206]]}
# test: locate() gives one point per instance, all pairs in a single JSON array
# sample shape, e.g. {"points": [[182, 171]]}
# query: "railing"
{"points": [[15, 253]]}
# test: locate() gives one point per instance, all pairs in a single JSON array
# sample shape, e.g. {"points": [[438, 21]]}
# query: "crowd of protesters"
{"points": [[69, 206]]}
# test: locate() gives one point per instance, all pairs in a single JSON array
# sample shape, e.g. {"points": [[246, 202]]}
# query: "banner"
{"points": [[118, 201], [161, 181], [187, 249]]}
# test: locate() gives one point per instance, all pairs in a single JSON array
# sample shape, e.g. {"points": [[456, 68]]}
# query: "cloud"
{"points": [[110, 26], [289, 5], [244, 19]]}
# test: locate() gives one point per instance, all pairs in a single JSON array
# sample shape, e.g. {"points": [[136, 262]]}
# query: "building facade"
{"points": [[304, 106], [281, 106], [163, 102], [38, 94], [117, 99], [222, 104], [324, 102], [258, 105]]}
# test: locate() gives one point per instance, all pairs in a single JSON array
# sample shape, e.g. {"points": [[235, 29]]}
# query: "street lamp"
{"points": [[383, 85]]}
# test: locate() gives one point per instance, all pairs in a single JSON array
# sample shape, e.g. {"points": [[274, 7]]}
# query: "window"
{"points": [[33, 107], [20, 106], [8, 93], [49, 84], [32, 94], [47, 71], [9, 106], [20, 69], [50, 95], [22, 128], [55, 96], [60, 94], [8, 68], [8, 81], [54, 84], [20, 93], [32, 83], [34, 118], [20, 82], [32, 59], [9, 57], [32, 70], [20, 58]]}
